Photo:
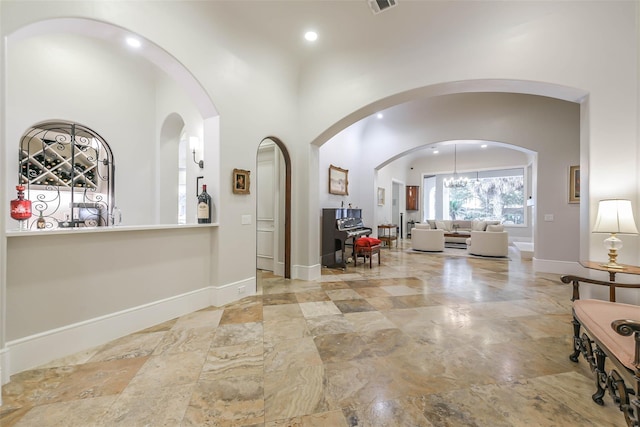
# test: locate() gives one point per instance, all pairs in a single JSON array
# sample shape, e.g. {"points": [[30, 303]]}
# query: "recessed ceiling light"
{"points": [[311, 36], [435, 151], [380, 115], [133, 42], [483, 146]]}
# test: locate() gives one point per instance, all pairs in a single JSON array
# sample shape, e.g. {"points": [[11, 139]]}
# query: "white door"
{"points": [[271, 192], [266, 215]]}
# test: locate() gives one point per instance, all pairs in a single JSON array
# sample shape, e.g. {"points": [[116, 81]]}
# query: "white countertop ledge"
{"points": [[110, 229]]}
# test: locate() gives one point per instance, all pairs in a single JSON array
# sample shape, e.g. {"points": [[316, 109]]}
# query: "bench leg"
{"points": [[620, 395], [634, 413], [601, 376], [576, 341]]}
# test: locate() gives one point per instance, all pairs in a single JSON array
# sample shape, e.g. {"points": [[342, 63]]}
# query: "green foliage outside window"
{"points": [[494, 198]]}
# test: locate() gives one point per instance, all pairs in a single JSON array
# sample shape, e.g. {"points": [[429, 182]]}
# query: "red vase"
{"points": [[20, 207]]}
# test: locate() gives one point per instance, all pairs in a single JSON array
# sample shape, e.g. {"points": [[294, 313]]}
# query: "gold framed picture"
{"points": [[574, 184], [241, 181], [338, 181]]}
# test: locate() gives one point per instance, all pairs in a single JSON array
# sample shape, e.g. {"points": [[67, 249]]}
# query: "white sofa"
{"points": [[460, 230], [488, 243], [424, 238]]}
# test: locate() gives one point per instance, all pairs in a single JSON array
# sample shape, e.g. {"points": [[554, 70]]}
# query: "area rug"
{"points": [[457, 252]]}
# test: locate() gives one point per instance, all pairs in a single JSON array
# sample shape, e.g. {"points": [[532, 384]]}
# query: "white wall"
{"points": [[251, 82], [88, 82], [538, 124], [548, 48], [585, 52], [344, 152], [171, 99], [399, 172]]}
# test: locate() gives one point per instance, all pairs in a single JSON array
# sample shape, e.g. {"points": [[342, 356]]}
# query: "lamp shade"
{"points": [[615, 216]]}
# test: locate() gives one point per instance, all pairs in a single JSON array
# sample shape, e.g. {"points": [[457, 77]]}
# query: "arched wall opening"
{"points": [[168, 191], [282, 222], [476, 160], [523, 107], [144, 251], [133, 92]]}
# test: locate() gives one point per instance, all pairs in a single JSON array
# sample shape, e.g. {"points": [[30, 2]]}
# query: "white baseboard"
{"points": [[233, 291], [525, 249], [304, 272], [278, 269], [558, 267], [3, 363], [39, 349]]}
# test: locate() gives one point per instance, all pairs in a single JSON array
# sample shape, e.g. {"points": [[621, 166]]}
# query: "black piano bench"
{"points": [[367, 251]]}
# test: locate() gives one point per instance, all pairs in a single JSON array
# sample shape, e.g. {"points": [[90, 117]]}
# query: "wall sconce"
{"points": [[615, 216], [194, 143]]}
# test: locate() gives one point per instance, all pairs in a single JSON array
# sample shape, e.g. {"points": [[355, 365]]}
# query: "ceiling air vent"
{"points": [[378, 6]]}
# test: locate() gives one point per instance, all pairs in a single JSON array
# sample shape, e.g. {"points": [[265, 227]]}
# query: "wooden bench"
{"points": [[611, 330], [367, 252]]}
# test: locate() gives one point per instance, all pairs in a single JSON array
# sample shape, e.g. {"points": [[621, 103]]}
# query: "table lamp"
{"points": [[615, 216]]}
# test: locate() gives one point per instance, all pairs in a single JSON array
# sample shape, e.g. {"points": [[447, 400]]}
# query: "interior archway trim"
{"points": [[287, 208], [116, 34], [524, 87]]}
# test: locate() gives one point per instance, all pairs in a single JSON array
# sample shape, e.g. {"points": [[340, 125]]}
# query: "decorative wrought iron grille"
{"points": [[68, 172]]}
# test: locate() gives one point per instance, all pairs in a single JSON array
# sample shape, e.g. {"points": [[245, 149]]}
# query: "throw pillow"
{"points": [[495, 228], [423, 226], [367, 242], [443, 225], [374, 241], [478, 225]]}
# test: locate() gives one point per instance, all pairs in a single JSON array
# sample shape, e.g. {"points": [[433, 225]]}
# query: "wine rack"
{"points": [[48, 162], [68, 171]]}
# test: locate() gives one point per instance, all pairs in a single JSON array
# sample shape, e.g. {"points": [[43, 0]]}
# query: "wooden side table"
{"points": [[387, 233], [611, 284], [627, 269]]}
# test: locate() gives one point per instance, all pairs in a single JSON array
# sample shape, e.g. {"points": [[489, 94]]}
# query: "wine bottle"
{"points": [[41, 224], [204, 206]]}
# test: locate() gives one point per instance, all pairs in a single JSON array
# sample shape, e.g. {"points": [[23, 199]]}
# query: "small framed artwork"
{"points": [[338, 181], [574, 184], [241, 181], [380, 196]]}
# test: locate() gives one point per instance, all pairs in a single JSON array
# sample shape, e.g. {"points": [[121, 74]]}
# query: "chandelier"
{"points": [[455, 181]]}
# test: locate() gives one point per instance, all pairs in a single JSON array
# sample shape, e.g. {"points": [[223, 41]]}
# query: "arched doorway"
{"points": [[273, 207]]}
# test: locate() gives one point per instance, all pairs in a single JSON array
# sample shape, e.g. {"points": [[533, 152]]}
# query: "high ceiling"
{"points": [[342, 25], [350, 28]]}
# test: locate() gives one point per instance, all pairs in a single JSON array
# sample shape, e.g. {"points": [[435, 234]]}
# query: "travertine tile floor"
{"points": [[423, 340]]}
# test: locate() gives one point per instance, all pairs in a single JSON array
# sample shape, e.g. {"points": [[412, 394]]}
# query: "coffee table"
{"points": [[461, 245]]}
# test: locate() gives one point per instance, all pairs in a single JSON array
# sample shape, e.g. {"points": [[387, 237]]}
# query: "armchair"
{"points": [[488, 243], [425, 239]]}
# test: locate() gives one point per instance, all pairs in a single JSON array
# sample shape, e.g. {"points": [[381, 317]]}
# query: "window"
{"points": [[490, 195], [67, 170], [182, 180]]}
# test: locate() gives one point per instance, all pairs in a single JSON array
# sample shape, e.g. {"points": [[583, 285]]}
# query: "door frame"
{"points": [[287, 203]]}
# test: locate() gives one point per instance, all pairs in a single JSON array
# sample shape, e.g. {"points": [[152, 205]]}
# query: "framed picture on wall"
{"points": [[380, 196], [574, 184], [241, 181], [338, 181]]}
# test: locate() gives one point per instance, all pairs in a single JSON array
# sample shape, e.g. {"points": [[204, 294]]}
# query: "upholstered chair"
{"points": [[488, 243], [423, 238]]}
